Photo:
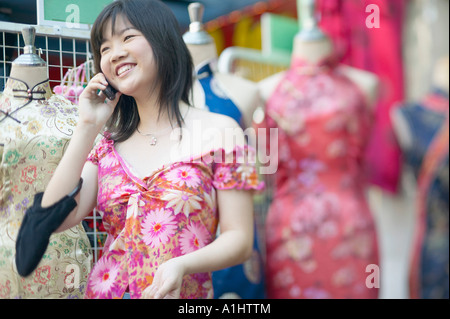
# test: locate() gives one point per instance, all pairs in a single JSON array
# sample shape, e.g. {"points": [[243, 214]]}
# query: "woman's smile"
{"points": [[124, 68]]}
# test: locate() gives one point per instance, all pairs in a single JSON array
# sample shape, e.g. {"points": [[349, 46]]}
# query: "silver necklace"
{"points": [[153, 136]]}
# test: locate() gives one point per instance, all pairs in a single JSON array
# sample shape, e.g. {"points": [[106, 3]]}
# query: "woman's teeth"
{"points": [[124, 68]]}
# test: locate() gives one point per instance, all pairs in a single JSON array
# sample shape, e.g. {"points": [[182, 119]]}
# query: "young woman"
{"points": [[165, 174]]}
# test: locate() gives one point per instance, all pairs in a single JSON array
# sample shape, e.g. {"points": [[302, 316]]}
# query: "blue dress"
{"points": [[427, 120], [423, 123], [216, 99], [244, 281], [434, 256]]}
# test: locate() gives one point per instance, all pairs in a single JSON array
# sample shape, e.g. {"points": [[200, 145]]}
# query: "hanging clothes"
{"points": [[423, 119], [35, 129], [245, 281], [429, 278], [320, 234], [377, 50], [216, 99]]}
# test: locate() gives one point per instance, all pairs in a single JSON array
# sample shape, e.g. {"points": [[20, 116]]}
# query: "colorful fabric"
{"points": [[35, 129], [169, 213], [245, 280], [216, 99], [320, 234], [428, 278], [377, 49], [423, 120]]}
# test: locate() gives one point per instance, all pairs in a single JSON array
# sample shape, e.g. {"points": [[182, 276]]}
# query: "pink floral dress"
{"points": [[320, 232], [170, 213]]}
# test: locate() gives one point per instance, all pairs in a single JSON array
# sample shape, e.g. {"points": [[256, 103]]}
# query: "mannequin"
{"points": [[31, 76], [429, 263], [440, 80], [245, 280], [35, 128], [421, 128], [319, 214], [242, 92], [312, 45]]}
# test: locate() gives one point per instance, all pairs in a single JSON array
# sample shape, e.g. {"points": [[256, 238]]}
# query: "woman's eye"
{"points": [[128, 37], [104, 50]]}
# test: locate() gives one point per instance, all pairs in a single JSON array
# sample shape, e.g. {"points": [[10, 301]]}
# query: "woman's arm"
{"points": [[234, 245], [86, 199], [93, 114]]}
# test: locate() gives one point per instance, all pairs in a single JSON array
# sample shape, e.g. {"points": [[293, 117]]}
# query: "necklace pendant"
{"points": [[153, 141]]}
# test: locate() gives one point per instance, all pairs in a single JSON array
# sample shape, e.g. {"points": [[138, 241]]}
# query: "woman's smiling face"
{"points": [[127, 59]]}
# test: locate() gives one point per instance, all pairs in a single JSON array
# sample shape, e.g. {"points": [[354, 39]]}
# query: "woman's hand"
{"points": [[94, 108], [167, 281]]}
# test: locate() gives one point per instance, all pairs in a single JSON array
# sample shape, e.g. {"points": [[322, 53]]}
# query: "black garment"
{"points": [[37, 226]]}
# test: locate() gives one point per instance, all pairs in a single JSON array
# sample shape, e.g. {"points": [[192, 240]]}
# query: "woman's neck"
{"points": [[29, 75], [312, 51], [150, 118], [202, 52]]}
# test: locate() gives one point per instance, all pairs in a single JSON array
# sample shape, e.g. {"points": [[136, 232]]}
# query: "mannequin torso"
{"points": [[202, 52], [35, 128], [242, 92], [401, 127], [30, 75]]}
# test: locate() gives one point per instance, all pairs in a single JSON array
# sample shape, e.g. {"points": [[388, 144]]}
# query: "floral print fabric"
{"points": [[34, 132], [344, 22], [170, 213], [320, 234]]}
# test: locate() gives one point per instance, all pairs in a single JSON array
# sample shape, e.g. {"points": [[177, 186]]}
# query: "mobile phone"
{"points": [[110, 92]]}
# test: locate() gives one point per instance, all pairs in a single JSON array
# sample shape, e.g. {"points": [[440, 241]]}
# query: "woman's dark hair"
{"points": [[174, 63]]}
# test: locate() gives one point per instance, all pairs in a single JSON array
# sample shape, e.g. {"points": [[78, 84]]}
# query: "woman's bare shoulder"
{"points": [[210, 120], [215, 130]]}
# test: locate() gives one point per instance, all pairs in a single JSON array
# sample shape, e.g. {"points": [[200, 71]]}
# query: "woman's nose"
{"points": [[117, 54]]}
